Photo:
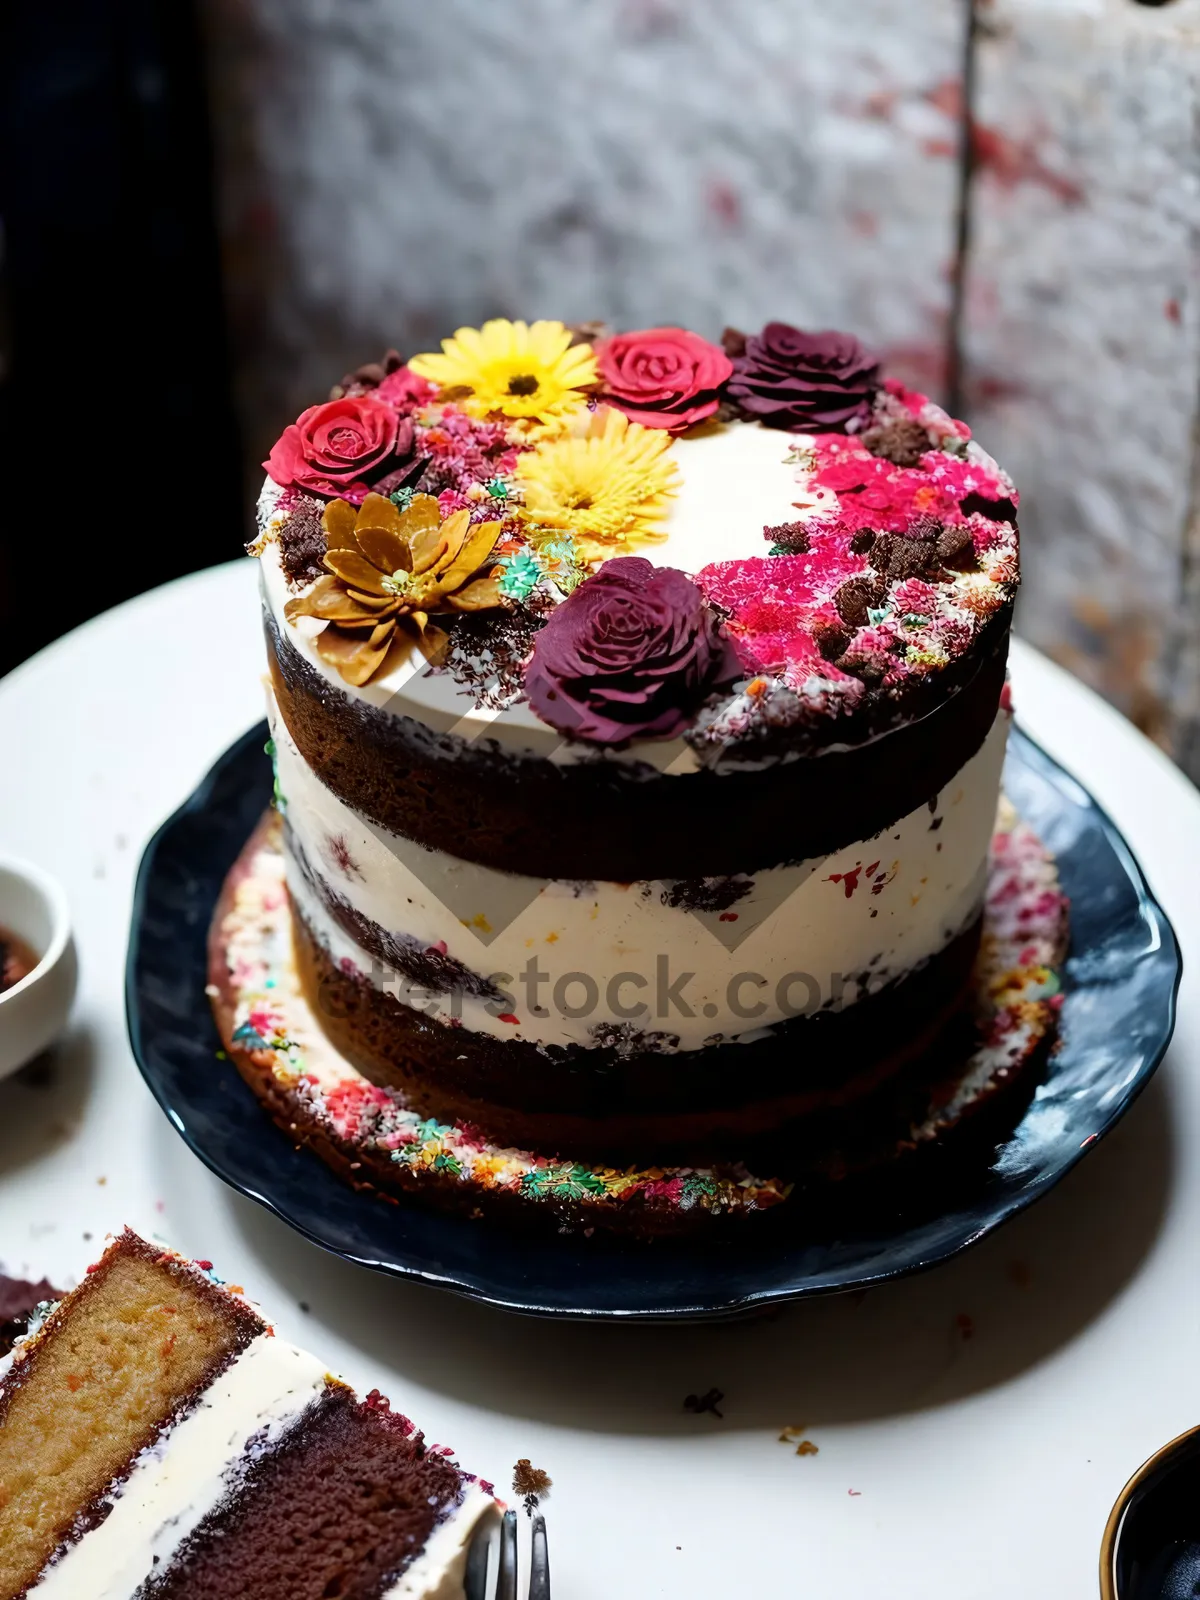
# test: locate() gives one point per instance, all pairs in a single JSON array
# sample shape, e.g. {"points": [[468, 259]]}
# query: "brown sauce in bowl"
{"points": [[17, 959]]}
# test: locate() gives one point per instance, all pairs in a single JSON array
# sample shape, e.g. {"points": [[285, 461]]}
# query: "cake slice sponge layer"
{"points": [[144, 1335]]}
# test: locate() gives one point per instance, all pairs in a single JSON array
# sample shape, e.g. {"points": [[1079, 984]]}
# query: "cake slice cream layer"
{"points": [[605, 955]]}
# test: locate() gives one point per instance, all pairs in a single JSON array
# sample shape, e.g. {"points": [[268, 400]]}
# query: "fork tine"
{"points": [[539, 1562], [506, 1587], [477, 1562]]}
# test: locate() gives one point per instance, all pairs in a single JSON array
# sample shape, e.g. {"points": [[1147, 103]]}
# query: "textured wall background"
{"points": [[394, 169], [1081, 332], [1009, 209]]}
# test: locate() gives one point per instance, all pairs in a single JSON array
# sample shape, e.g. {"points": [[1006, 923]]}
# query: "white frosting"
{"points": [[438, 1572], [181, 1477], [912, 889], [733, 483]]}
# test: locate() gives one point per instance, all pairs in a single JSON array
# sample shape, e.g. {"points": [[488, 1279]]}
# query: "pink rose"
{"points": [[663, 377], [333, 449]]}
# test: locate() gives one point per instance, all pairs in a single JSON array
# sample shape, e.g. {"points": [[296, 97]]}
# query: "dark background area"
{"points": [[114, 370]]}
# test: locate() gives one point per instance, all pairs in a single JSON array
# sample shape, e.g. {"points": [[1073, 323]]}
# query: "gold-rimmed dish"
{"points": [[1151, 1544]]}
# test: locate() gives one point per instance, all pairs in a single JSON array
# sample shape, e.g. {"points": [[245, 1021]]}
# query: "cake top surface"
{"points": [[644, 542]]}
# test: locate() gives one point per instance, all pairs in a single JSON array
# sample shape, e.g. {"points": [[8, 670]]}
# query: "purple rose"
{"points": [[629, 654], [808, 382]]}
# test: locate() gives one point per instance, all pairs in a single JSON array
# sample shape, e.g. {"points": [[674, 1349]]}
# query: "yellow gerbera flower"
{"points": [[533, 373], [610, 487]]}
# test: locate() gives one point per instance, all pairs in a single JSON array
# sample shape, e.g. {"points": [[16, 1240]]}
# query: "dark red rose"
{"points": [[662, 377], [808, 382], [630, 654], [336, 449]]}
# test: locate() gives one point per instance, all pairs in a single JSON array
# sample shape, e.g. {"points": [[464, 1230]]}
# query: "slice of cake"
{"points": [[158, 1440], [638, 713]]}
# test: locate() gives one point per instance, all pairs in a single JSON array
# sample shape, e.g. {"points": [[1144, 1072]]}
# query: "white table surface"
{"points": [[973, 1424]]}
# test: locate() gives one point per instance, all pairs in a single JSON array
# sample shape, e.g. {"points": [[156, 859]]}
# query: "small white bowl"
{"points": [[34, 1011]]}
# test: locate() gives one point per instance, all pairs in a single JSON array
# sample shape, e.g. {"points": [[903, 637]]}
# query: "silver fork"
{"points": [[506, 1575]]}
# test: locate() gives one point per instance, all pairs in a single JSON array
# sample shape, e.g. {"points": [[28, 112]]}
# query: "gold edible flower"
{"points": [[389, 570]]}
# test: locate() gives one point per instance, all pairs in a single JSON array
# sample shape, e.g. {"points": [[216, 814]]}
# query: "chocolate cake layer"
{"points": [[339, 1509], [623, 822], [626, 1102]]}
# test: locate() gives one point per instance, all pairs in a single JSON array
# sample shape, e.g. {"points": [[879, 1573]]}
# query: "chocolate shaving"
{"points": [[831, 641], [488, 651], [790, 536], [706, 894], [853, 597], [870, 667], [903, 442], [625, 1041], [302, 542], [955, 548], [898, 555]]}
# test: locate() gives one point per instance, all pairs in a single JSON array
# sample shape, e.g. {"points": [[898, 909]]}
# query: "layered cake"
{"points": [[158, 1441], [638, 710]]}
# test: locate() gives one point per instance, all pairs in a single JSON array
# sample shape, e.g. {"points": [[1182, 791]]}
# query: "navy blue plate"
{"points": [[1118, 1015]]}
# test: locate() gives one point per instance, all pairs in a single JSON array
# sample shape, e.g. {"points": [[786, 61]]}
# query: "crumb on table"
{"points": [[709, 1401]]}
